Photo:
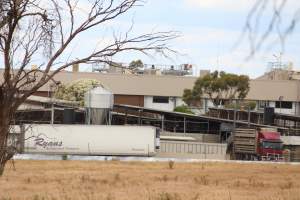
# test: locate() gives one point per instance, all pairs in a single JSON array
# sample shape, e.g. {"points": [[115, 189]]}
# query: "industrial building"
{"points": [[278, 88], [149, 100], [165, 91]]}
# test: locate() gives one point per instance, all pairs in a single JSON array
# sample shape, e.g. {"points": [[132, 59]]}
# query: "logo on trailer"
{"points": [[45, 142]]}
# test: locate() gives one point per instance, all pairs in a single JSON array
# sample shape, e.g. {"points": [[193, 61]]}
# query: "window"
{"points": [[284, 104], [224, 102], [158, 99], [272, 145], [263, 104]]}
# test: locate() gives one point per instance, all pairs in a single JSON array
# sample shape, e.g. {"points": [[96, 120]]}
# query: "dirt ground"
{"points": [[113, 180]]}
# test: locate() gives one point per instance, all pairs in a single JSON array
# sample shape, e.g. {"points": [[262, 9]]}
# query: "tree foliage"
{"points": [[76, 90], [218, 86], [136, 64], [244, 105]]}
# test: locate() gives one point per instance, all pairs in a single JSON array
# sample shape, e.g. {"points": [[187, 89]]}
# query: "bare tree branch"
{"points": [[42, 31], [258, 34]]}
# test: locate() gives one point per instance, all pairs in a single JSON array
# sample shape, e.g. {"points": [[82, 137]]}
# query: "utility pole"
{"points": [[234, 115], [249, 116], [280, 101], [52, 103]]}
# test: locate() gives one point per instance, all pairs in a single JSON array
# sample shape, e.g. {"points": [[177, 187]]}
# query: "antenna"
{"points": [[278, 64]]}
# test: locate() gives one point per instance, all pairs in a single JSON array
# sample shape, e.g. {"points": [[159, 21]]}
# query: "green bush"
{"points": [[75, 91], [64, 157], [251, 105], [183, 109], [242, 105]]}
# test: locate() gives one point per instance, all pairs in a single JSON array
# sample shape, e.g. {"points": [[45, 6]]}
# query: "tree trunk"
{"points": [[6, 153]]}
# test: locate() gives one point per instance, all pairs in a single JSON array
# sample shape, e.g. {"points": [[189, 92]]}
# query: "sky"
{"points": [[210, 30], [209, 35]]}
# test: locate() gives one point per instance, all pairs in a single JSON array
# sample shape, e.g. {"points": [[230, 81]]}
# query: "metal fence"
{"points": [[192, 148]]}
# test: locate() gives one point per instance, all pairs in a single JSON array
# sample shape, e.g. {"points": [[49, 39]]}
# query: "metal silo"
{"points": [[98, 102]]}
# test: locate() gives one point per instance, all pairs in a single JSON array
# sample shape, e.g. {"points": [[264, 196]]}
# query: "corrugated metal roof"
{"points": [[273, 89], [153, 85], [132, 84], [49, 100], [173, 85]]}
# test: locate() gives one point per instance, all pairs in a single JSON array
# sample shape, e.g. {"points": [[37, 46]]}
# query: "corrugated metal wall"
{"points": [[193, 150]]}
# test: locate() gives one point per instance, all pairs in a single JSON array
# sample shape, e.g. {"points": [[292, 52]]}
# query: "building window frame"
{"points": [[160, 99], [263, 104], [284, 104]]}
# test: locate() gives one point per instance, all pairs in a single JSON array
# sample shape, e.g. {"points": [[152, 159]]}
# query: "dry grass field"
{"points": [[114, 180]]}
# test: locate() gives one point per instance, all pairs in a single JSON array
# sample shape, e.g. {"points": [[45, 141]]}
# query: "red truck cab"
{"points": [[269, 146]]}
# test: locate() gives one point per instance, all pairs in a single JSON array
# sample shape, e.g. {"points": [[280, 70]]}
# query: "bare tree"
{"points": [[267, 18], [32, 28]]}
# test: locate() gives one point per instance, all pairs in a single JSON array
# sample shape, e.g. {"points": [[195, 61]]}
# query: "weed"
{"points": [[64, 157], [229, 195], [203, 180], [117, 177], [168, 196], [171, 164], [165, 178], [28, 180], [287, 185], [250, 180], [109, 197], [217, 182], [196, 197], [5, 198], [84, 178], [253, 183], [237, 183], [104, 181], [37, 197], [176, 178]]}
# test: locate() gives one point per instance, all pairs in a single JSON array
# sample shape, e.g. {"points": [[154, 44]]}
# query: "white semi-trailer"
{"points": [[89, 140]]}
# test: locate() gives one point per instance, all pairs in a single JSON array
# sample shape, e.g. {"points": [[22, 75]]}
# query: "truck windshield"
{"points": [[272, 145]]}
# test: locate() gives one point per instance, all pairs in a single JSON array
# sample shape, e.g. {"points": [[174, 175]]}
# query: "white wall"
{"points": [[208, 103], [294, 111], [148, 103], [179, 102], [283, 110]]}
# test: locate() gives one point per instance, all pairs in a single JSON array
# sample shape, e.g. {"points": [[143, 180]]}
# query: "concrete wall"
{"points": [[148, 103], [179, 101]]}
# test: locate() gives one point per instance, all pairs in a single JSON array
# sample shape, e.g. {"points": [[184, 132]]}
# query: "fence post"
{"points": [[184, 126]]}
